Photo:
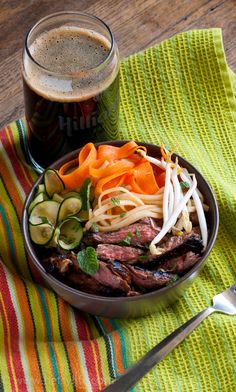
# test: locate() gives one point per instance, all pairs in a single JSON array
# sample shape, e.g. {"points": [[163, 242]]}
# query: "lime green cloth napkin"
{"points": [[180, 93]]}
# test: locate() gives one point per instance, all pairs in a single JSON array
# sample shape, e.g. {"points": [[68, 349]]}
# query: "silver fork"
{"points": [[224, 302]]}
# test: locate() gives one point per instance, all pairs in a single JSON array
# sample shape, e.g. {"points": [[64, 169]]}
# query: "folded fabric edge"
{"points": [[227, 74]]}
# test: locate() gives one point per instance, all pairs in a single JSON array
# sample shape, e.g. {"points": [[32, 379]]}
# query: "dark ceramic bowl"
{"points": [[113, 307]]}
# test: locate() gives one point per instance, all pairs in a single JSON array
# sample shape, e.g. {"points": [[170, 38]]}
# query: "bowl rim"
{"points": [[195, 269]]}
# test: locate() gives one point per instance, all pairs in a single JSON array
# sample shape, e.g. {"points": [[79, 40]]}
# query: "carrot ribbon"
{"points": [[110, 166]]}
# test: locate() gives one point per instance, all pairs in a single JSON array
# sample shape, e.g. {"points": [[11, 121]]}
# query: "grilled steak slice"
{"points": [[106, 281], [180, 264], [137, 234], [173, 247], [125, 254], [110, 278], [150, 280]]}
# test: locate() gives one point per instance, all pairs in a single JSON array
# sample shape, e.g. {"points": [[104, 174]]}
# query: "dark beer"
{"points": [[71, 90]]}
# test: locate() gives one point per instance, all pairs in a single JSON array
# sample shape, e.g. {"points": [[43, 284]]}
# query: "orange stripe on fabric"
{"points": [[32, 360], [117, 344], [75, 361], [99, 361], [8, 343], [59, 350], [42, 328], [96, 362], [118, 352]]}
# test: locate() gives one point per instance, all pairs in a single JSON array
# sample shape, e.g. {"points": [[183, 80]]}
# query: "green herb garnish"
{"points": [[127, 240], [137, 232], [88, 260], [94, 227], [184, 185], [122, 215], [142, 258], [85, 194], [44, 219], [115, 201]]}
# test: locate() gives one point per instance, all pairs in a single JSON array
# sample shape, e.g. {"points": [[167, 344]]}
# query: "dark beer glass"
{"points": [[71, 85]]}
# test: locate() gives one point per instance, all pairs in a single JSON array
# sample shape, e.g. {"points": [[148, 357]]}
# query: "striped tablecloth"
{"points": [[179, 93]]}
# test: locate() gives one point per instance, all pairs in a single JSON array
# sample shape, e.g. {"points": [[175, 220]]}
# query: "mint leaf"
{"points": [[88, 260], [127, 240], [115, 201]]}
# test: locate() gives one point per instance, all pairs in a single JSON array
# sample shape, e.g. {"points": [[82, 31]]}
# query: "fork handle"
{"points": [[156, 354]]}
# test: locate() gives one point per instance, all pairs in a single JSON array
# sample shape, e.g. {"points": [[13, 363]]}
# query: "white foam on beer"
{"points": [[71, 52]]}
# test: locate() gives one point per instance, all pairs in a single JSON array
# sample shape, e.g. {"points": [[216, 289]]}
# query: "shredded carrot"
{"points": [[160, 179], [110, 166], [112, 153], [143, 179], [76, 177]]}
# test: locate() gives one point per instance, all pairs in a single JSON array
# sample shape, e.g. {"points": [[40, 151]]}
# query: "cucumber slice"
{"points": [[44, 212], [53, 183], [83, 215], [70, 206], [38, 198], [40, 188], [70, 194], [41, 234], [70, 233], [57, 198]]}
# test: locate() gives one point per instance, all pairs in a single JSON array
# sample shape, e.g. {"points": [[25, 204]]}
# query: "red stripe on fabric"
{"points": [[82, 327], [8, 145], [90, 364], [25, 170], [13, 350]]}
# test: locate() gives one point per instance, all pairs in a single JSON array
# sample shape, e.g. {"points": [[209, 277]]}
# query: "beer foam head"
{"points": [[68, 64]]}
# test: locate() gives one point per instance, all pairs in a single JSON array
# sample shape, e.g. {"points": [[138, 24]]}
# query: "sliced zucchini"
{"points": [[53, 183], [83, 215], [70, 233], [57, 198], [69, 206], [70, 194], [41, 234], [38, 198], [44, 212], [40, 188]]}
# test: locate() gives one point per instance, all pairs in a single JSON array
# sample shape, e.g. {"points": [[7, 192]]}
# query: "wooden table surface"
{"points": [[136, 24]]}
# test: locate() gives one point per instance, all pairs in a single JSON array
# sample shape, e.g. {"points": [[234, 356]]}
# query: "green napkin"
{"points": [[180, 93]]}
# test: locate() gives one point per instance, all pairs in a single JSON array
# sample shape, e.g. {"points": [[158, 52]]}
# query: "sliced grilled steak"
{"points": [[125, 254], [150, 280], [110, 278], [106, 281], [177, 265], [137, 234], [174, 246]]}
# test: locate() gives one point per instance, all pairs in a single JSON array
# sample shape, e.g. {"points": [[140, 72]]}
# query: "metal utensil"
{"points": [[224, 302]]}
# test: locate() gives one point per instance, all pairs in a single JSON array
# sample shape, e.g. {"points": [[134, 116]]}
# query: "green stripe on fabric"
{"points": [[64, 346], [1, 383], [9, 239], [49, 339], [109, 348], [35, 334]]}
